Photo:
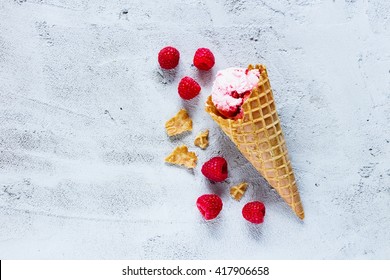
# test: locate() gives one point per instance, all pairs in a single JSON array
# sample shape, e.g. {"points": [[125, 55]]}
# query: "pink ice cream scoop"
{"points": [[231, 88]]}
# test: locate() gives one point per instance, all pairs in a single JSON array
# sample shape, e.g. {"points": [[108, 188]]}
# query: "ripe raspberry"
{"points": [[254, 212], [204, 59], [209, 205], [168, 58], [188, 88], [215, 169]]}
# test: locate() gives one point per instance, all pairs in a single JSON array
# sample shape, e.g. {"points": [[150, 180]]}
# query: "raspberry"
{"points": [[230, 113], [188, 88], [215, 169], [168, 57], [204, 59], [209, 205], [254, 212]]}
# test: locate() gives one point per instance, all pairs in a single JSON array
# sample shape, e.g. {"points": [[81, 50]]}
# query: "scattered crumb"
{"points": [[238, 191], [181, 156], [180, 123], [202, 139]]}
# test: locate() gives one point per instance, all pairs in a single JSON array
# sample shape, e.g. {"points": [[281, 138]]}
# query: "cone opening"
{"points": [[211, 108]]}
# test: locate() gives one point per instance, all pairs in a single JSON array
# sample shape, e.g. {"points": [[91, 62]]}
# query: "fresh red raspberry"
{"points": [[215, 169], [188, 88], [168, 57], [254, 212], [204, 59], [209, 205]]}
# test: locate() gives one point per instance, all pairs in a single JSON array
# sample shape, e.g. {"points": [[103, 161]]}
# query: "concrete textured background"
{"points": [[82, 141]]}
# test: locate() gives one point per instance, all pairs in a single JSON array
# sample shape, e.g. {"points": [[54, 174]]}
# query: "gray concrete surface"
{"points": [[82, 141]]}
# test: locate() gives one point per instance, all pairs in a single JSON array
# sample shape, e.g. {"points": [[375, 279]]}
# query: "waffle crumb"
{"points": [[202, 139], [180, 123], [238, 191], [181, 156]]}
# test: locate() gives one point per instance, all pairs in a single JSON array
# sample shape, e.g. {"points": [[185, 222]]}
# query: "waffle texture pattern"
{"points": [[259, 137]]}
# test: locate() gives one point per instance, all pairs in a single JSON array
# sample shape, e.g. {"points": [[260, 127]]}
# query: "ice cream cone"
{"points": [[259, 137]]}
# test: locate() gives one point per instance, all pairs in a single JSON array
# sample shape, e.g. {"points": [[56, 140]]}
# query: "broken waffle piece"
{"points": [[181, 156], [202, 139], [180, 123], [238, 191]]}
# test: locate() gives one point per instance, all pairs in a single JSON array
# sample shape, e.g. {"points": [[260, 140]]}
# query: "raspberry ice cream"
{"points": [[231, 88]]}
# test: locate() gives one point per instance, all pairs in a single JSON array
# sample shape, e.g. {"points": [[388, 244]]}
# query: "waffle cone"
{"points": [[259, 137]]}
